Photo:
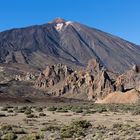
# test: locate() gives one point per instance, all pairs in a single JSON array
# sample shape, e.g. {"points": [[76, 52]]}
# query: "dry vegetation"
{"points": [[77, 121]]}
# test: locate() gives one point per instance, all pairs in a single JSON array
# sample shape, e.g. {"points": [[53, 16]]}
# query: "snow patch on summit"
{"points": [[68, 23], [59, 26]]}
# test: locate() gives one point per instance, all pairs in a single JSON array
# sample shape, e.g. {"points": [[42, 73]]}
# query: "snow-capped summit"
{"points": [[59, 20], [59, 26], [60, 23]]}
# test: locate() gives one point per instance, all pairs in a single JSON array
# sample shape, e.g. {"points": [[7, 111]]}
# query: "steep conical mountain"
{"points": [[67, 42]]}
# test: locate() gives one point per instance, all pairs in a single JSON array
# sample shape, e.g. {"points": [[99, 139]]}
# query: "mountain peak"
{"points": [[59, 20], [69, 43], [60, 23]]}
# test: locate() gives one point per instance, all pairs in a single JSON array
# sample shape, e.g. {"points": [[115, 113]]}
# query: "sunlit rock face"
{"points": [[130, 79], [60, 80]]}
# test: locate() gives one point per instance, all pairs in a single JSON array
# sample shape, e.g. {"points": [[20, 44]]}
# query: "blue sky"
{"points": [[119, 17]]}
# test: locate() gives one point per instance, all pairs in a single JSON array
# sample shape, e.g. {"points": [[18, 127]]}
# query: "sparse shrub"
{"points": [[4, 108], [88, 111], [10, 111], [9, 106], [66, 107], [2, 115], [39, 109], [23, 109], [62, 109], [20, 110], [31, 116], [117, 125], [101, 110], [42, 114], [75, 129], [77, 109], [6, 129], [19, 131], [15, 108], [33, 136], [136, 111], [52, 108], [67, 132], [9, 136], [28, 111], [81, 123], [50, 128]]}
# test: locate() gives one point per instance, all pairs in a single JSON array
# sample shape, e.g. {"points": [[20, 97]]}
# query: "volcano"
{"points": [[67, 42]]}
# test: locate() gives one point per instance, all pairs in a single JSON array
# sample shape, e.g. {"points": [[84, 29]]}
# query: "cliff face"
{"points": [[69, 43]]}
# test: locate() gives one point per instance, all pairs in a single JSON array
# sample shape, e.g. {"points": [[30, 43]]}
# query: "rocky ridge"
{"points": [[92, 83]]}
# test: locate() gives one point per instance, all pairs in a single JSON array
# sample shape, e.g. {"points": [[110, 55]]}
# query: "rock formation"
{"points": [[102, 84], [25, 77], [52, 75], [131, 96], [129, 80], [91, 83]]}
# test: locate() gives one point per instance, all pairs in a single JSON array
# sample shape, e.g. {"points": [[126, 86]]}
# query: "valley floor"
{"points": [[65, 121]]}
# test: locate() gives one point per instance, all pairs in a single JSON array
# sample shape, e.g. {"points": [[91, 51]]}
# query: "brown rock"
{"points": [[128, 80], [53, 75], [131, 96], [92, 83]]}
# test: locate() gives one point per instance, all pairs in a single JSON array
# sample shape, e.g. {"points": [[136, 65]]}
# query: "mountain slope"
{"points": [[67, 42]]}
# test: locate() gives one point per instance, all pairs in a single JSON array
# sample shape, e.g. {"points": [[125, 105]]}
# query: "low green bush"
{"points": [[50, 128], [136, 111], [33, 136], [62, 109], [2, 115], [31, 116], [4, 129], [75, 129], [10, 111], [4, 108], [77, 109], [52, 108], [28, 111], [39, 109], [42, 114], [9, 136]]}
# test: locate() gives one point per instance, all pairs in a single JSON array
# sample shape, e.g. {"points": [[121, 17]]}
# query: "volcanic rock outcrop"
{"points": [[129, 79], [92, 83], [127, 88], [53, 75], [131, 96]]}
